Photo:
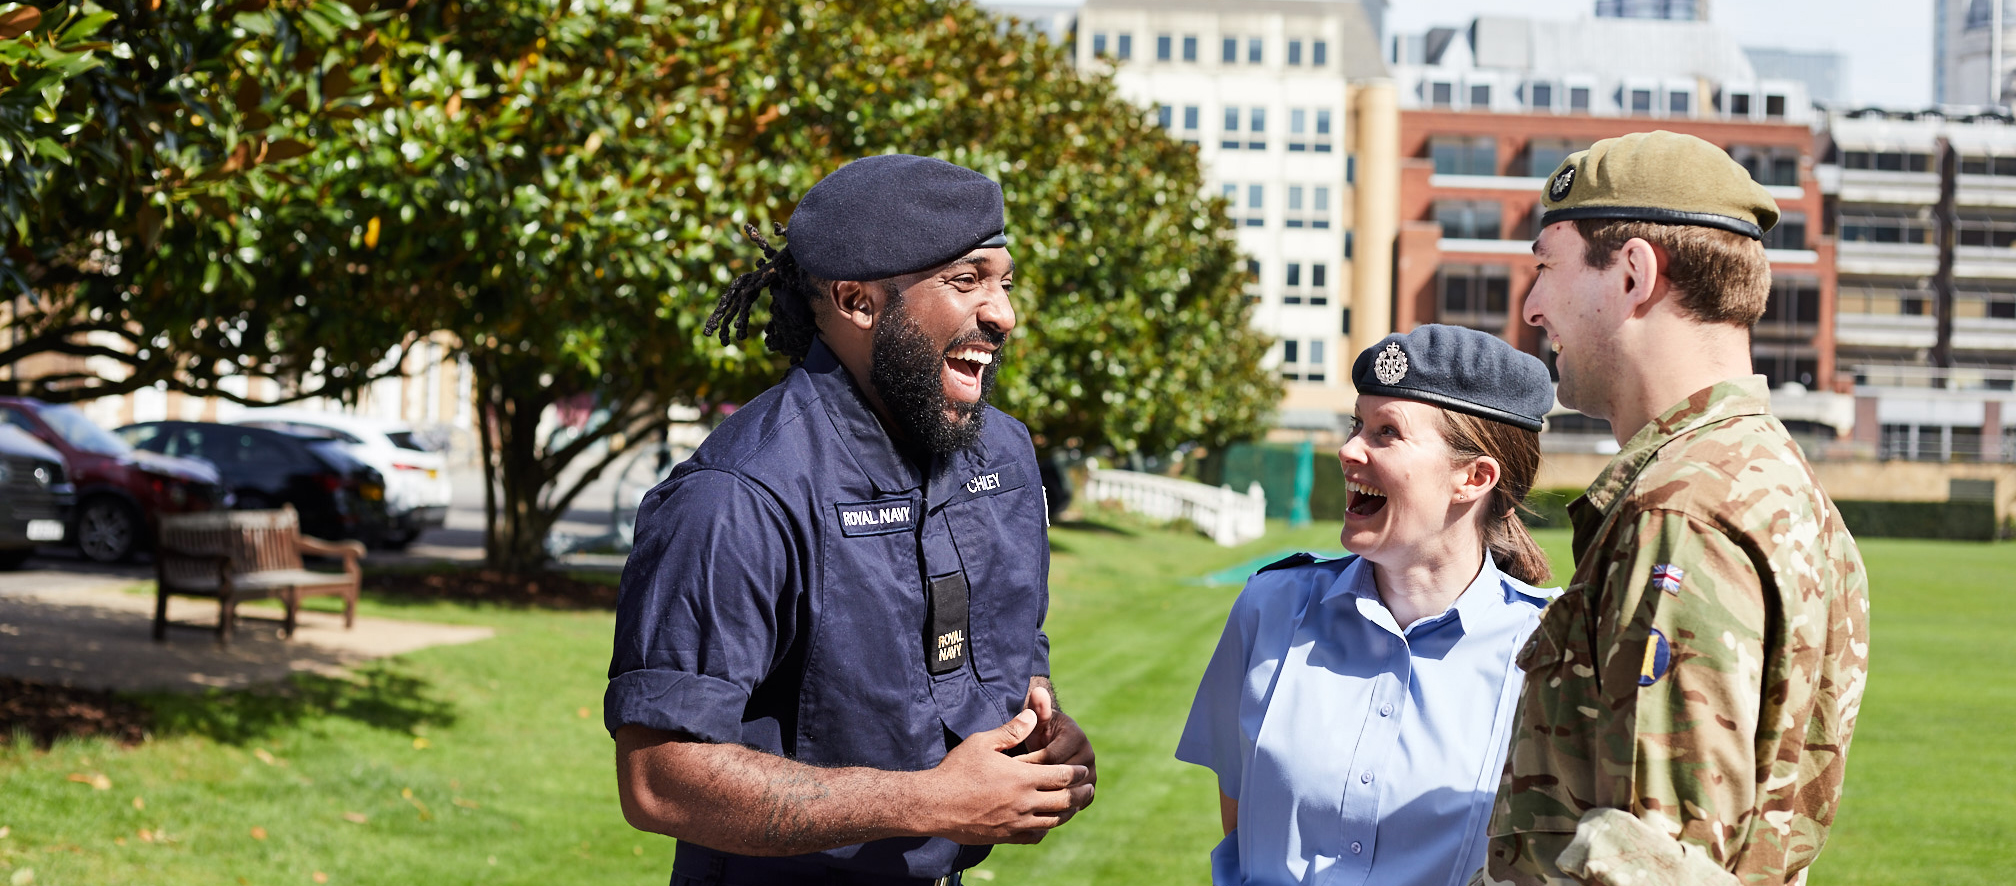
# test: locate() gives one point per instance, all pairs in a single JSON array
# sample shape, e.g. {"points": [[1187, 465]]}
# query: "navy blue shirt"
{"points": [[781, 588]]}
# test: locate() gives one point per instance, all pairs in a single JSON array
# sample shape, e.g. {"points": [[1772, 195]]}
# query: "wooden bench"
{"points": [[236, 556]]}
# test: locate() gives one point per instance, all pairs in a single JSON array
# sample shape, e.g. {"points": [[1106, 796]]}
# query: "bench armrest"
{"points": [[350, 551]]}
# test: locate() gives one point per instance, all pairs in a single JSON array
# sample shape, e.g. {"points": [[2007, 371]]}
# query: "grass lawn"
{"points": [[475, 763]]}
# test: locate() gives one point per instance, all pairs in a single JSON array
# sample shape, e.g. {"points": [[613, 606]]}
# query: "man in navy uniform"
{"points": [[830, 664]]}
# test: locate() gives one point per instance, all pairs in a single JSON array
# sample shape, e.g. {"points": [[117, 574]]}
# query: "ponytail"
{"points": [[1517, 452]]}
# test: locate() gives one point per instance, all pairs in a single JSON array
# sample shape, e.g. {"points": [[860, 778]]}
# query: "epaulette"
{"points": [[1289, 562]]}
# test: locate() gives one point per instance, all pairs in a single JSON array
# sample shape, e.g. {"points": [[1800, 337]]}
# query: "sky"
{"points": [[1888, 43]]}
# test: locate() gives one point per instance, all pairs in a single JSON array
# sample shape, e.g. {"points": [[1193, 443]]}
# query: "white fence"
{"points": [[1228, 517]]}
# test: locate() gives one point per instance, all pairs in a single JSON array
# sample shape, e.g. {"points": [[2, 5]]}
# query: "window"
{"points": [[1098, 44], [1319, 52], [1252, 274], [1793, 309], [1480, 95], [1291, 359], [1189, 47], [1346, 326], [1578, 99], [1780, 363], [1166, 116], [1641, 101], [1441, 95], [1319, 207], [1126, 43], [1544, 155], [1164, 47], [1319, 288], [1253, 51], [1679, 103], [1294, 366], [1231, 50], [1469, 219], [1256, 206], [1464, 155], [1323, 137], [1987, 229], [1350, 169], [1788, 233], [1231, 140], [1294, 52], [1769, 165], [1348, 248], [1256, 131], [1774, 106], [1292, 293], [1739, 104], [1541, 96], [1887, 161], [1880, 224], [1294, 217], [1473, 295], [1190, 118], [1313, 370], [1298, 129]]}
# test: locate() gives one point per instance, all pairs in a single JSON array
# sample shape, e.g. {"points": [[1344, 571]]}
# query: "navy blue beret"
{"points": [[1461, 369], [882, 216]]}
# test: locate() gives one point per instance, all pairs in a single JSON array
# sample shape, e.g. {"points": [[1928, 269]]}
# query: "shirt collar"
{"points": [[855, 422], [1749, 395], [1485, 595]]}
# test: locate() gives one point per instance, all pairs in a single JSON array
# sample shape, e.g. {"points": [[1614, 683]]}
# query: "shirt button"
{"points": [[1357, 847], [1365, 777], [1386, 710]]}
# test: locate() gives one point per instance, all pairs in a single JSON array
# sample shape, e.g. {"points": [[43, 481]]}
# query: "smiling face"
{"points": [[938, 344], [1405, 488], [1580, 309]]}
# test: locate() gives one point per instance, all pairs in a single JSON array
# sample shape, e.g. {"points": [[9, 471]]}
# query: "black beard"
{"points": [[907, 371]]}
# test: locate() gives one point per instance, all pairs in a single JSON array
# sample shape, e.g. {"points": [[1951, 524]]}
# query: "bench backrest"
{"points": [[255, 541]]}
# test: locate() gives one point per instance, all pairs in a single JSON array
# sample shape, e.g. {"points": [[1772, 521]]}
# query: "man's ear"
{"points": [[1641, 262], [855, 303]]}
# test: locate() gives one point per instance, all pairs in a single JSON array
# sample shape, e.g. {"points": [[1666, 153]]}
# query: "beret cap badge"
{"points": [[1563, 181], [1391, 365]]}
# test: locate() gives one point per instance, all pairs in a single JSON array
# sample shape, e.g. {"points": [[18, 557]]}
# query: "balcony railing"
{"points": [[1959, 378]]}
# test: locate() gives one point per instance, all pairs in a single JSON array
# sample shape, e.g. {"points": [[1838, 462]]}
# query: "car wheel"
{"points": [[107, 530], [11, 560]]}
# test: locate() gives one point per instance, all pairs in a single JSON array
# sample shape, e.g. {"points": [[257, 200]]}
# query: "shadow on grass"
{"points": [[378, 696], [1093, 526]]}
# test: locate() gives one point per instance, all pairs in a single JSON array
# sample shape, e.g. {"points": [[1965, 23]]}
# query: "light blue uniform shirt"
{"points": [[1359, 753]]}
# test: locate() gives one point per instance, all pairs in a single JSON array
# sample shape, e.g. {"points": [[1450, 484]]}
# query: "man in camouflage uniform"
{"points": [[1689, 699]]}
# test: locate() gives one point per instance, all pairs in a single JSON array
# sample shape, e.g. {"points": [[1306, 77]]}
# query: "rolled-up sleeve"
{"points": [[705, 607]]}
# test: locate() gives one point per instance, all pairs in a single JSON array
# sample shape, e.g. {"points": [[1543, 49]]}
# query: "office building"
{"points": [[1971, 55]]}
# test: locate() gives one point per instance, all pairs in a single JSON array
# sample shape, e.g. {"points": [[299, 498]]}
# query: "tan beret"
{"points": [[1662, 177]]}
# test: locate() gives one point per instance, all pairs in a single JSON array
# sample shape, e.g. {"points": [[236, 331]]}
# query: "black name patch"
{"points": [[991, 481], [945, 646], [877, 517]]}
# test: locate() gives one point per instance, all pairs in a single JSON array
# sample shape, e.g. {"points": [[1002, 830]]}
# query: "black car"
{"points": [[35, 496], [336, 495]]}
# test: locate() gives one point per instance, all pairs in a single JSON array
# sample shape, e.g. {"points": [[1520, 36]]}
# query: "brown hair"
{"points": [[1720, 276], [1517, 452]]}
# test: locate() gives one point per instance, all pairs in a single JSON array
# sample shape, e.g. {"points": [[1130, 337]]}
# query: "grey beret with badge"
{"points": [[1662, 177], [892, 214], [1461, 369]]}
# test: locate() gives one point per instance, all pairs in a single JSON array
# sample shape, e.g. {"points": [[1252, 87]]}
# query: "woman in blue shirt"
{"points": [[1357, 710]]}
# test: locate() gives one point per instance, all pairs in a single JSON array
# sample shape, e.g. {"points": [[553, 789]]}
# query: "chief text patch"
{"points": [[991, 481], [877, 517]]}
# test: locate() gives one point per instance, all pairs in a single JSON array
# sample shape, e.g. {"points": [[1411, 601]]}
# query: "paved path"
{"points": [[86, 630]]}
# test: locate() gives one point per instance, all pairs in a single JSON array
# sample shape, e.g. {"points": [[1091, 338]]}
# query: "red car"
{"points": [[121, 491]]}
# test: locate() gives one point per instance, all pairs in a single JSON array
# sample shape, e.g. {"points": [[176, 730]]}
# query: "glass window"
{"points": [[1319, 52], [1347, 247], [1295, 198], [1322, 121], [1298, 121], [1253, 51], [1441, 95], [1189, 47], [1098, 44], [1463, 155], [1543, 97], [1788, 233], [81, 432], [1774, 106], [1473, 295], [1231, 50], [1480, 96], [1319, 204], [1350, 169], [1126, 47], [1257, 129], [1578, 99], [1166, 116], [1294, 52], [1316, 357], [1678, 102], [1317, 275], [1256, 197], [1231, 118], [1295, 273], [1259, 120], [1641, 101], [1739, 104], [1189, 116], [1290, 351], [1164, 48], [1544, 155]]}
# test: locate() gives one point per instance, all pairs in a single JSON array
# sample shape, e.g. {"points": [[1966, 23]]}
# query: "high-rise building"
{"points": [[1974, 61], [1824, 73], [1286, 104], [1489, 111], [1670, 10]]}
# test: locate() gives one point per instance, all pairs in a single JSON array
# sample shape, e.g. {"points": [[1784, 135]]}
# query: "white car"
{"points": [[417, 491]]}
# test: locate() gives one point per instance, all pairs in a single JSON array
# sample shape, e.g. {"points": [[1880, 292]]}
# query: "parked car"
{"points": [[417, 491], [120, 492], [35, 496], [336, 495]]}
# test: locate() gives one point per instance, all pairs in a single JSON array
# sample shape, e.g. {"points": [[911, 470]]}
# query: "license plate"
{"points": [[45, 530]]}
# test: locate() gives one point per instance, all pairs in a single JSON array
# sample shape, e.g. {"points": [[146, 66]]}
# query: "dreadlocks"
{"points": [[792, 292]]}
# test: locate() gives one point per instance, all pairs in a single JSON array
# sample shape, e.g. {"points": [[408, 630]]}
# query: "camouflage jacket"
{"points": [[1704, 667]]}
